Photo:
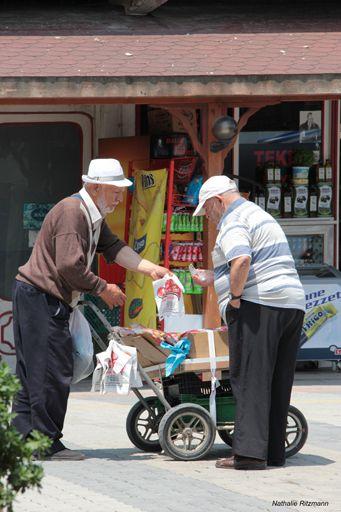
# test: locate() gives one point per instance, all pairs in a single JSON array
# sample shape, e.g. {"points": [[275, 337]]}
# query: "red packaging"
{"points": [[200, 255]]}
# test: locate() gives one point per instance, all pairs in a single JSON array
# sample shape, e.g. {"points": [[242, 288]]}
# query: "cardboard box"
{"points": [[200, 350], [148, 353]]}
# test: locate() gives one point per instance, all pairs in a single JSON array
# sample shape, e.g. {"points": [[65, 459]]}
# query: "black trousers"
{"points": [[44, 361], [263, 343]]}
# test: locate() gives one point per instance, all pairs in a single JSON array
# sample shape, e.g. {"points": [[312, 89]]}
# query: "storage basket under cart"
{"points": [[176, 418]]}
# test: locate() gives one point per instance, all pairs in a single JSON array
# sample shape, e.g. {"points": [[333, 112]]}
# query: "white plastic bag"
{"points": [[82, 346], [168, 293], [116, 370]]}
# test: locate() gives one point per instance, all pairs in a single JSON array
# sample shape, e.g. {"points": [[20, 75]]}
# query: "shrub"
{"points": [[18, 471]]}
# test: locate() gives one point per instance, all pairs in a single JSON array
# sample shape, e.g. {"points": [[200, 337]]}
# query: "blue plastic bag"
{"points": [[193, 189], [179, 352]]}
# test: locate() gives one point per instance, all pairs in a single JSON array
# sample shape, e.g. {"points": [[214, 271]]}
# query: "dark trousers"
{"points": [[44, 361], [263, 345]]}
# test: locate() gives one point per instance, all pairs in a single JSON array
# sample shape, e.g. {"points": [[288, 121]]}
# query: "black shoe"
{"points": [[276, 463], [248, 463]]}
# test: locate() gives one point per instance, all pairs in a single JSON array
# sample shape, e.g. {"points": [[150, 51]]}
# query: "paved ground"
{"points": [[116, 477]]}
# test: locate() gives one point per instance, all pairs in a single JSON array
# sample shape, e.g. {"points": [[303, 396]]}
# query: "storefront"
{"points": [[70, 95], [43, 156]]}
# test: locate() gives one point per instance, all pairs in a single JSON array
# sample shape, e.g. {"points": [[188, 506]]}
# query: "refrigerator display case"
{"points": [[321, 333], [311, 242]]}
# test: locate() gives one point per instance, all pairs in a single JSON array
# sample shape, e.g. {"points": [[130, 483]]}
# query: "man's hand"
{"points": [[235, 303], [158, 272], [203, 278], [113, 296]]}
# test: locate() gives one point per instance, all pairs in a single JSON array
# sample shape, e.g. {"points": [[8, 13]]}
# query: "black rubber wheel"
{"points": [[187, 432], [297, 432], [142, 424]]}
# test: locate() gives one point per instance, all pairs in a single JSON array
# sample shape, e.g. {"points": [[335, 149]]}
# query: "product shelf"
{"points": [[306, 220]]}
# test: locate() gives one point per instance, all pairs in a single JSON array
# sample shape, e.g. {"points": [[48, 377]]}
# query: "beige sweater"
{"points": [[58, 263]]}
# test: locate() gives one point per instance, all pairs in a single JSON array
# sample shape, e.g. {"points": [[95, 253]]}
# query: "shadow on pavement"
{"points": [[122, 454], [119, 454], [309, 460]]}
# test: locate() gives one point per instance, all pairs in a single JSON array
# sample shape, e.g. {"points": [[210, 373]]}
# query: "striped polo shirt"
{"points": [[247, 230]]}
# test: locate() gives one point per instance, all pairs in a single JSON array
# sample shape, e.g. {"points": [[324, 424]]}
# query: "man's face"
{"points": [[108, 197], [213, 209]]}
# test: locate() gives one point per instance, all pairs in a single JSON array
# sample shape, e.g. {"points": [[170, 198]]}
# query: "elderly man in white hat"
{"points": [[262, 301], [49, 285]]}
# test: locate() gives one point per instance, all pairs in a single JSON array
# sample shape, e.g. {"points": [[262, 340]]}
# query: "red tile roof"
{"points": [[170, 55]]}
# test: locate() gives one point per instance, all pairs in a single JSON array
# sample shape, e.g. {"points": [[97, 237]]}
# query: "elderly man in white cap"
{"points": [[262, 301], [49, 285]]}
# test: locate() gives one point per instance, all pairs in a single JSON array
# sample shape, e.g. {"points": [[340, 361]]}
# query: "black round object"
{"points": [[142, 425], [296, 433]]}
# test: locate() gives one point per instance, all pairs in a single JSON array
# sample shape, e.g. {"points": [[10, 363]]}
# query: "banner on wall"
{"points": [[145, 238], [321, 333]]}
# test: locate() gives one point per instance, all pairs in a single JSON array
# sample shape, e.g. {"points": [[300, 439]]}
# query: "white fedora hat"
{"points": [[106, 171], [214, 186]]}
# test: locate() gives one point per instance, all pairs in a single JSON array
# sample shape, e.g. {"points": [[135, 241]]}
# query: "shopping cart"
{"points": [[176, 419]]}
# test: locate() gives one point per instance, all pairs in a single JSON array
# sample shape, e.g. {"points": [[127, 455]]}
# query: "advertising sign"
{"points": [[321, 333], [145, 238]]}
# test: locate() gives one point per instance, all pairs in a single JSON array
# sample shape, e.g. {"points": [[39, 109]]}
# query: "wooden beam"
{"points": [[214, 166]]}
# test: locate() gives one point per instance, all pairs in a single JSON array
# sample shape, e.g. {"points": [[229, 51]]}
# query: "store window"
{"points": [[280, 151], [273, 135], [40, 163]]}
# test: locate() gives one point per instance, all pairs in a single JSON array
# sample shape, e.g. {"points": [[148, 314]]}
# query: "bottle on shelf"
{"points": [[273, 200], [328, 171], [325, 195], [261, 199], [321, 173], [313, 201], [301, 193], [277, 174], [288, 201]]}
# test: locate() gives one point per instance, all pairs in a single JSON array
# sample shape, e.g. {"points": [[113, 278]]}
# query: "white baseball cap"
{"points": [[106, 171], [214, 186]]}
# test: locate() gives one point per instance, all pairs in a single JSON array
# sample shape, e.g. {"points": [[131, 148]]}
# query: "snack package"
{"points": [[168, 293], [314, 319]]}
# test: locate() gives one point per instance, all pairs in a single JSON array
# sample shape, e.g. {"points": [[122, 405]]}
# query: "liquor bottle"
{"points": [[324, 207], [329, 171], [273, 200], [261, 199], [321, 173], [313, 201], [288, 198], [277, 174], [270, 173], [301, 201]]}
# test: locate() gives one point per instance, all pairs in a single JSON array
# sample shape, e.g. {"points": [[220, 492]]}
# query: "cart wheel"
{"points": [[297, 431], [296, 434], [226, 436], [186, 432], [142, 424]]}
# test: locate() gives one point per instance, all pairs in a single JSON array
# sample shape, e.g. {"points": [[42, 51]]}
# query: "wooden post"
{"points": [[214, 165]]}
